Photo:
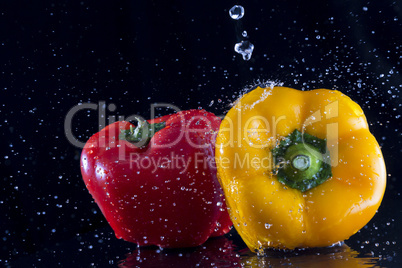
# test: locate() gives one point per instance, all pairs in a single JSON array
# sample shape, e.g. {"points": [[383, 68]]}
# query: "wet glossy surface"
{"points": [[376, 245], [102, 249]]}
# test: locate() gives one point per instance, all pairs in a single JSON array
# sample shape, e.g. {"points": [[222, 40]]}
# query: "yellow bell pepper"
{"points": [[298, 168]]}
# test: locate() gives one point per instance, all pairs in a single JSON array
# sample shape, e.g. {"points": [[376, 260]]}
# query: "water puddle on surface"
{"points": [[223, 252]]}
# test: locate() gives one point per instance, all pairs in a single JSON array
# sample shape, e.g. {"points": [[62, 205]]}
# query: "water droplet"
{"points": [[267, 226], [236, 12], [245, 48], [244, 33]]}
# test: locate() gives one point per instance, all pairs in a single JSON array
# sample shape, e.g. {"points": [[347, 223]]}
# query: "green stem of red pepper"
{"points": [[142, 134]]}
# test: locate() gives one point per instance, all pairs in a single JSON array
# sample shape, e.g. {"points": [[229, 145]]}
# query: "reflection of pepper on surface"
{"points": [[224, 252], [299, 169], [219, 251], [334, 257]]}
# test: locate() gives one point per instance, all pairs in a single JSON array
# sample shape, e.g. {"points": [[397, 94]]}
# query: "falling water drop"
{"points": [[245, 48], [236, 12]]}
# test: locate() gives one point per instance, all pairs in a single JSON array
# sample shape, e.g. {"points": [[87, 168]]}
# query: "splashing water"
{"points": [[236, 12], [245, 48]]}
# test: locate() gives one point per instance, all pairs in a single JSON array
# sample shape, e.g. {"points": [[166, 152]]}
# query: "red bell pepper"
{"points": [[156, 183]]}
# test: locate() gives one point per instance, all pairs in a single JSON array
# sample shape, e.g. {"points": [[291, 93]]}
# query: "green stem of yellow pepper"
{"points": [[301, 161]]}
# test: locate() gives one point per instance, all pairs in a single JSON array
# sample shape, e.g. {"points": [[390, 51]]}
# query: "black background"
{"points": [[57, 54]]}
